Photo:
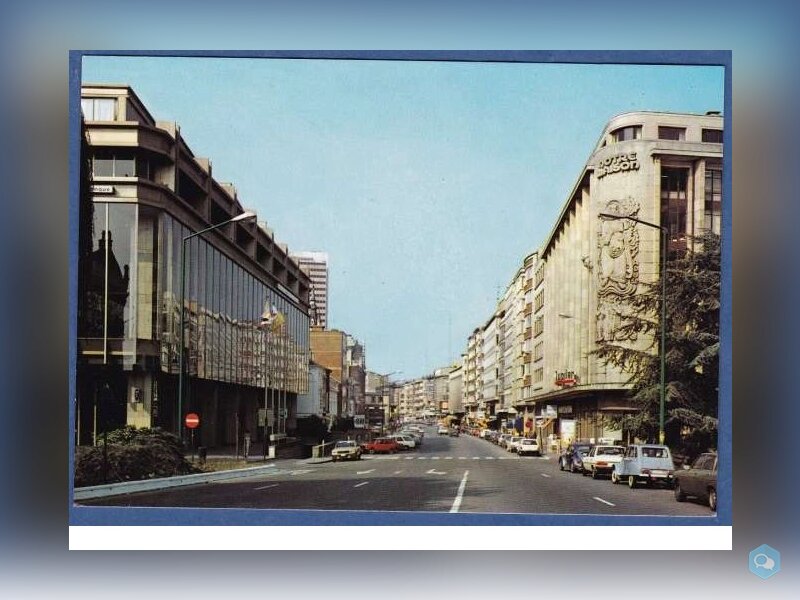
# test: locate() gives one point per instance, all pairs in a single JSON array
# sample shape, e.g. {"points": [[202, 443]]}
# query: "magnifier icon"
{"points": [[765, 563]]}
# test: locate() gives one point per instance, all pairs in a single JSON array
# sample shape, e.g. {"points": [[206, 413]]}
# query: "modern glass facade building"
{"points": [[245, 311]]}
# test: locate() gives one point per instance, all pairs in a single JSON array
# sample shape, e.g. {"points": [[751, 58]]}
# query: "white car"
{"points": [[601, 460], [443, 430], [528, 446], [405, 441], [513, 443]]}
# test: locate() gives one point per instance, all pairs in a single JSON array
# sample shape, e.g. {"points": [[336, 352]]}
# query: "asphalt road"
{"points": [[447, 474]]}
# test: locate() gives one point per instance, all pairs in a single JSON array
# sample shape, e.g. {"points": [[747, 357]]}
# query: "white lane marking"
{"points": [[476, 458], [266, 487], [421, 457], [448, 458], [489, 457], [409, 458], [460, 493], [435, 472], [603, 501], [544, 475], [360, 484], [301, 471], [364, 472], [435, 457], [503, 457], [462, 458], [398, 472]]}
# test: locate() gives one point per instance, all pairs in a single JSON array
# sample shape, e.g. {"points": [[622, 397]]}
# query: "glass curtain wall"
{"points": [[224, 307]]}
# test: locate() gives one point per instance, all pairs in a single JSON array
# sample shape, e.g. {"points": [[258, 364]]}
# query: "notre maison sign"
{"points": [[567, 378], [615, 164]]}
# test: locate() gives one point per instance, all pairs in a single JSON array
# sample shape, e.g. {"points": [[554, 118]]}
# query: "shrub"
{"points": [[132, 455]]}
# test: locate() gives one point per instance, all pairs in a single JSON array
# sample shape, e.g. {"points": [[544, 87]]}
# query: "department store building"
{"points": [[662, 168]]}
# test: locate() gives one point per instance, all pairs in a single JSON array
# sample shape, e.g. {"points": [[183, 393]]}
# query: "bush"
{"points": [[133, 455]]}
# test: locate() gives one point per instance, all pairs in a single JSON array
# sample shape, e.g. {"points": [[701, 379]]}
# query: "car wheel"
{"points": [[372, 451], [679, 495], [614, 477], [631, 481], [594, 474], [572, 468], [712, 499]]}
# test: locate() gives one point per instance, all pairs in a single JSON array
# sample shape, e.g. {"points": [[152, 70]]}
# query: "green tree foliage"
{"points": [[131, 454], [692, 352]]}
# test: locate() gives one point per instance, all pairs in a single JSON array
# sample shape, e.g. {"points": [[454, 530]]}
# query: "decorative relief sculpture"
{"points": [[617, 268]]}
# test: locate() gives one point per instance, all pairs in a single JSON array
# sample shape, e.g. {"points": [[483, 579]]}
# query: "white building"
{"points": [[315, 265]]}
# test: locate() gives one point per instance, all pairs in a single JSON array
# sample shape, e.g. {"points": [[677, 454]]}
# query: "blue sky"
{"points": [[426, 182]]}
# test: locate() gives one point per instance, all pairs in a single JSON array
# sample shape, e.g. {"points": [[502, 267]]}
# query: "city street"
{"points": [[447, 474]]}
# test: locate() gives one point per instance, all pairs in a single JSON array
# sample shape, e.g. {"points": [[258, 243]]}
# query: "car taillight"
{"points": [[602, 464]]}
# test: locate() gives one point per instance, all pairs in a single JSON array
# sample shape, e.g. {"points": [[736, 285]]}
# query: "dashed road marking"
{"points": [[435, 472], [544, 475], [448, 458], [460, 493], [360, 484], [489, 457], [301, 471], [476, 458], [603, 501], [435, 457], [421, 457], [409, 458], [398, 472], [364, 472], [266, 487], [462, 458]]}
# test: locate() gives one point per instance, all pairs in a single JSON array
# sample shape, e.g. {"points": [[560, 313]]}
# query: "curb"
{"points": [[130, 487]]}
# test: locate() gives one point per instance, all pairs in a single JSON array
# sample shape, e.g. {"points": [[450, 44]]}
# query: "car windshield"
{"points": [[345, 444], [650, 452], [610, 450]]}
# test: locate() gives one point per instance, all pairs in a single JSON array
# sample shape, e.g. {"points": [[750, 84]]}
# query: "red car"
{"points": [[381, 446]]}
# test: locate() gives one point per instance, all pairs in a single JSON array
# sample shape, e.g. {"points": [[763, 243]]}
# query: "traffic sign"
{"points": [[192, 420]]}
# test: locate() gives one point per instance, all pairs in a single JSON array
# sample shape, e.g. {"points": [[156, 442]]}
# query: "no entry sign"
{"points": [[192, 420]]}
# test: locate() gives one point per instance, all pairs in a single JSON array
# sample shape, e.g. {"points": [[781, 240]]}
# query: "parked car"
{"points": [[413, 435], [699, 480], [502, 439], [442, 430], [601, 460], [406, 442], [381, 446], [647, 463], [346, 450], [513, 443], [572, 458], [528, 446], [453, 432]]}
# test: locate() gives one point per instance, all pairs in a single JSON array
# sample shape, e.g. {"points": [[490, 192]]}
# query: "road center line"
{"points": [[544, 475], [448, 458], [266, 487], [603, 501], [460, 493], [360, 484], [398, 472]]}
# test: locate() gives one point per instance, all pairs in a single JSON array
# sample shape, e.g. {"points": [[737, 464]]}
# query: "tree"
{"points": [[692, 351]]}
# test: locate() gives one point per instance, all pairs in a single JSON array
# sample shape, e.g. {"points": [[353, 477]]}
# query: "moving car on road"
{"points": [[381, 446], [406, 442], [572, 458], [699, 480], [647, 463], [528, 446], [346, 450], [601, 460]]}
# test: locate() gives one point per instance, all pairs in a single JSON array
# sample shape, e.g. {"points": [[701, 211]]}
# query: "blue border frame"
{"points": [[86, 515]]}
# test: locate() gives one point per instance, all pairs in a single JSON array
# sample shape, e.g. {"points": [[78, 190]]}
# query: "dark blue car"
{"points": [[572, 458]]}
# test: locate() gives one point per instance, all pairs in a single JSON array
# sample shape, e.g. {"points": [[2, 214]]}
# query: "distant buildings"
{"points": [[315, 264]]}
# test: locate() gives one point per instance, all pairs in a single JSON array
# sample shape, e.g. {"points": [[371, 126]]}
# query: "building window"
{"points": [[672, 133], [114, 164], [98, 109], [538, 326], [712, 136], [538, 375], [624, 134], [539, 300], [538, 351], [674, 208], [539, 275], [713, 203]]}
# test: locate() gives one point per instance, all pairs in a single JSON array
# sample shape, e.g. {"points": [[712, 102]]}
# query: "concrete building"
{"points": [[315, 265], [329, 350], [315, 401], [661, 168], [455, 385], [356, 365], [147, 196], [489, 359], [472, 387]]}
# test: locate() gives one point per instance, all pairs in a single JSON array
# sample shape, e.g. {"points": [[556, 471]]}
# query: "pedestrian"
{"points": [[246, 444]]}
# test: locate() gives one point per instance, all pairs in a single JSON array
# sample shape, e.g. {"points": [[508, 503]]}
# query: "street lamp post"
{"points": [[181, 350], [663, 274]]}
